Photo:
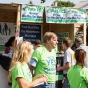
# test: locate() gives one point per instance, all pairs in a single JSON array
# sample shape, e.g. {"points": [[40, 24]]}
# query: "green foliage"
{"points": [[65, 4], [62, 3], [42, 1], [30, 2]]}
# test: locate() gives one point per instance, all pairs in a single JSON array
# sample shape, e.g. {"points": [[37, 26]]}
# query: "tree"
{"points": [[62, 3], [30, 2], [42, 1], [65, 4]]}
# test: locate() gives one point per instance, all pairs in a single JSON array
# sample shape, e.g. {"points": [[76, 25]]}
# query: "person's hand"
{"points": [[58, 68], [41, 79], [45, 78], [40, 75], [63, 80], [62, 52]]}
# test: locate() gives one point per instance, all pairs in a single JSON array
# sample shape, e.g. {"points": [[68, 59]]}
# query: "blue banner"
{"points": [[30, 32]]}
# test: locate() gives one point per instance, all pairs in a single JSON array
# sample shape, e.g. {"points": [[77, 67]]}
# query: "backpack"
{"points": [[5, 62]]}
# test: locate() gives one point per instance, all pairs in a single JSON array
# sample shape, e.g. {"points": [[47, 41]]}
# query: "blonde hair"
{"points": [[48, 36], [21, 54]]}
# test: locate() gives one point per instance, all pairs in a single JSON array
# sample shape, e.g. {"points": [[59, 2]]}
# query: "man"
{"points": [[44, 60], [73, 47], [37, 44], [80, 45], [68, 60]]}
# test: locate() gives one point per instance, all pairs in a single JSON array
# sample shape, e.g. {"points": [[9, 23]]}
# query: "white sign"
{"points": [[76, 15], [55, 15], [20, 39], [6, 31], [32, 13]]}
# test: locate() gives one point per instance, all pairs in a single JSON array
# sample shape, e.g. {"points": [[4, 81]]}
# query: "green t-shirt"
{"points": [[78, 77], [56, 49], [20, 71], [46, 63]]}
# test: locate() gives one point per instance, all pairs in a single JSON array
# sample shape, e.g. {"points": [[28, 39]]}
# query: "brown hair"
{"points": [[10, 41], [80, 54], [48, 36], [37, 42], [66, 41]]}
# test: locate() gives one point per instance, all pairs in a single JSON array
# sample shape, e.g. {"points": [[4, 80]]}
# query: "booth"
{"points": [[8, 16], [11, 15]]}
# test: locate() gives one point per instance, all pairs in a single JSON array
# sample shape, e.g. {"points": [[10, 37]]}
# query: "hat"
{"points": [[81, 48], [78, 40]]}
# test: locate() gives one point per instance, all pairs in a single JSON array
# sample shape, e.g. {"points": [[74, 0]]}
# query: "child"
{"points": [[78, 74], [19, 73]]}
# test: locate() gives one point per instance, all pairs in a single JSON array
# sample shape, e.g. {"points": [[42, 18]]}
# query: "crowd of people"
{"points": [[34, 65]]}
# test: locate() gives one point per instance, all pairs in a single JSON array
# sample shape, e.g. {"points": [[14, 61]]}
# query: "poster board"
{"points": [[65, 15], [32, 13], [6, 31], [76, 15], [55, 15], [31, 32], [62, 35]]}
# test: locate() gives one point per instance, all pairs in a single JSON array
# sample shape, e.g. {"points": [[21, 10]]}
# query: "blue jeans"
{"points": [[66, 83], [46, 85]]}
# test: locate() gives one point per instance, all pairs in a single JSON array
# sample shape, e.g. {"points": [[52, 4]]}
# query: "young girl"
{"points": [[19, 73], [78, 74]]}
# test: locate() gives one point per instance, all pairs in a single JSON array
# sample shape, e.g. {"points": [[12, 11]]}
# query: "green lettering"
{"points": [[31, 9]]}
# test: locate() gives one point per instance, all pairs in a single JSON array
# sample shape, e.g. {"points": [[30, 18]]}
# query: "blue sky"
{"points": [[36, 2]]}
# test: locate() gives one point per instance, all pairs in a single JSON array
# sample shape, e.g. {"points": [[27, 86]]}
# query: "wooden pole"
{"points": [[18, 18], [84, 33], [49, 27], [18, 22]]}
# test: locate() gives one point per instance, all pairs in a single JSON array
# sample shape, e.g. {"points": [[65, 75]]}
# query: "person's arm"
{"points": [[67, 61], [66, 67], [31, 69], [34, 60], [23, 84], [39, 76], [32, 64]]}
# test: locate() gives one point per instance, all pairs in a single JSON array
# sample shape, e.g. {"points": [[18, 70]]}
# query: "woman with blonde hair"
{"points": [[19, 73]]}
